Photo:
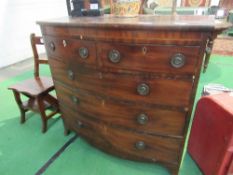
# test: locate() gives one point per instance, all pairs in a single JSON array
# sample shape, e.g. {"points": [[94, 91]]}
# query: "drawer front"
{"points": [[124, 143], [67, 49], [62, 72], [139, 118], [148, 58], [66, 96], [141, 89]]}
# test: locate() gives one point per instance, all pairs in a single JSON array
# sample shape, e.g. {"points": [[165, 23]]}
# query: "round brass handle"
{"points": [[70, 74], [114, 56], [80, 124], [142, 119], [208, 50], [178, 60], [143, 89], [140, 145], [75, 100], [52, 46], [83, 52]]}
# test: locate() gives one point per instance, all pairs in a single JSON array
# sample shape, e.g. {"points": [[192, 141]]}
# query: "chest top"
{"points": [[168, 22]]}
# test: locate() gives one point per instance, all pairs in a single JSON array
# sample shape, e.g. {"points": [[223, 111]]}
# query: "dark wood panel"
{"points": [[61, 71], [65, 96], [187, 38], [148, 22], [157, 149], [158, 121], [171, 92], [148, 58], [101, 101]]}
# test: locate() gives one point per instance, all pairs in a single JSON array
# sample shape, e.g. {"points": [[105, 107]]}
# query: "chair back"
{"points": [[35, 41]]}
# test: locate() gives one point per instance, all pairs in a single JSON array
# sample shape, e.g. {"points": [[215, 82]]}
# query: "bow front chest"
{"points": [[127, 85]]}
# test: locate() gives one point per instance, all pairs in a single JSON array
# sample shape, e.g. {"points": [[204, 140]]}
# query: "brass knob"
{"points": [[140, 145], [83, 52], [142, 119], [114, 56], [70, 74], [208, 50], [80, 124], [143, 89], [75, 100], [52, 46], [178, 60]]}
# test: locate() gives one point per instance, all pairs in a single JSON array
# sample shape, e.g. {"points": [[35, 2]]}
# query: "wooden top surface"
{"points": [[166, 22], [34, 86]]}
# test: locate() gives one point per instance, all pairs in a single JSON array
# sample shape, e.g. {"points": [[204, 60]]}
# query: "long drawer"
{"points": [[131, 116], [148, 58], [124, 143], [138, 88]]}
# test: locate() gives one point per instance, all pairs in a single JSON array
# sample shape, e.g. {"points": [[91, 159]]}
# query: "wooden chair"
{"points": [[36, 90]]}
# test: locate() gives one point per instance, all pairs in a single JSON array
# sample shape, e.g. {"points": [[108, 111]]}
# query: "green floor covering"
{"points": [[24, 149]]}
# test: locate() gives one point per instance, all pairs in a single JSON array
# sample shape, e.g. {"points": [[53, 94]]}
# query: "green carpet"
{"points": [[24, 149]]}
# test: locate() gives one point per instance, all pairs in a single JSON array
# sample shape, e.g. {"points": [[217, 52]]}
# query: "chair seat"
{"points": [[34, 86]]}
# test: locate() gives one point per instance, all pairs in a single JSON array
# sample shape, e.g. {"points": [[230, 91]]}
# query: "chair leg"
{"points": [[41, 109], [19, 103]]}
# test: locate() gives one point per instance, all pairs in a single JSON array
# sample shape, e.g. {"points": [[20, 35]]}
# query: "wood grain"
{"points": [[100, 100]]}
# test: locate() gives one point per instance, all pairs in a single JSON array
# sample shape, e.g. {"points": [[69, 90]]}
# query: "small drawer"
{"points": [[125, 143], [137, 117], [62, 72], [141, 89], [148, 58], [67, 49]]}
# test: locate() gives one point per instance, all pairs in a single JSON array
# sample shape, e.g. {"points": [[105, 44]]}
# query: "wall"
{"points": [[17, 20]]}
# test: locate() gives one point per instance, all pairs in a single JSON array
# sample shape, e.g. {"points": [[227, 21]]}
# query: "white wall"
{"points": [[17, 20]]}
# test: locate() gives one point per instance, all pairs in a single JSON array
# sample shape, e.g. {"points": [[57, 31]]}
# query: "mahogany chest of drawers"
{"points": [[127, 85]]}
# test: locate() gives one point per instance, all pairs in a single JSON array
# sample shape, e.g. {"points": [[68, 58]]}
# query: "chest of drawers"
{"points": [[127, 85]]}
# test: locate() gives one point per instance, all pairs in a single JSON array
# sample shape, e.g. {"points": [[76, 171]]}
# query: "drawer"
{"points": [[62, 72], [66, 96], [139, 118], [149, 58], [138, 88], [124, 143], [67, 49]]}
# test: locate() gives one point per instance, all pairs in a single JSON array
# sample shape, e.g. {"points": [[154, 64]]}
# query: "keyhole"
{"points": [[144, 50]]}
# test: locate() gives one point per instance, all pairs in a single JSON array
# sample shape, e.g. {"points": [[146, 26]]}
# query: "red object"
{"points": [[211, 138], [195, 3]]}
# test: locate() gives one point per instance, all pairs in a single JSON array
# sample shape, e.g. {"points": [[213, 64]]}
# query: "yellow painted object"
{"points": [[126, 8]]}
